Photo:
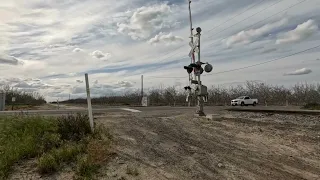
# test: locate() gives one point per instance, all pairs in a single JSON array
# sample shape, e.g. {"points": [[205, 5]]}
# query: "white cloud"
{"points": [[43, 35], [146, 20], [72, 74], [165, 38], [302, 32], [245, 37], [28, 84], [10, 60], [100, 55], [126, 84], [75, 50], [299, 72]]}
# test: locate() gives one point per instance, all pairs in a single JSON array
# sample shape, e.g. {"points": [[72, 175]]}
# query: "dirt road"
{"points": [[174, 146]]}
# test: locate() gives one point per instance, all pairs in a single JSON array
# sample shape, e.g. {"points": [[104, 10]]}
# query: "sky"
{"points": [[48, 45]]}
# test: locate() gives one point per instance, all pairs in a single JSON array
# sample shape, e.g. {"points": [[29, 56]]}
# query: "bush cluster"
{"points": [[54, 142]]}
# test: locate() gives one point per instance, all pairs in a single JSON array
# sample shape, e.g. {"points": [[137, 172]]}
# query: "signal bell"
{"points": [[208, 68]]}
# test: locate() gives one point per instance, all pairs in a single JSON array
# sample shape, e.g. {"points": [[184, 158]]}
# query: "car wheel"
{"points": [[254, 103], [242, 103]]}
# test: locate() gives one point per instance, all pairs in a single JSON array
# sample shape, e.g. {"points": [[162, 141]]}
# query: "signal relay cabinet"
{"points": [[2, 101], [203, 92]]}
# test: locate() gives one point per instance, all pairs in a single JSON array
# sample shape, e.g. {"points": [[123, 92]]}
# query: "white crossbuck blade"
{"points": [[194, 47]]}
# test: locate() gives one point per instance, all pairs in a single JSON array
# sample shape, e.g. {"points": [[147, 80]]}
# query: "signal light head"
{"points": [[189, 69], [201, 70], [198, 29], [187, 88]]}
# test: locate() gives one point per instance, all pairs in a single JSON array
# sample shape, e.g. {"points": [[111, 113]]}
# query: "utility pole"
{"points": [[141, 86], [191, 36], [200, 111], [200, 91], [90, 114], [191, 55]]}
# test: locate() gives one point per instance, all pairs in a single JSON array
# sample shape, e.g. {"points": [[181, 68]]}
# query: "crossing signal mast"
{"points": [[200, 91]]}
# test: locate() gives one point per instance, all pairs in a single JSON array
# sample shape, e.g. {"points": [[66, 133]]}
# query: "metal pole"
{"points": [[192, 54], [200, 99], [141, 86], [191, 31], [89, 103]]}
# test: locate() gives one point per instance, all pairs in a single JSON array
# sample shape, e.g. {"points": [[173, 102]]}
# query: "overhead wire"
{"points": [[235, 16], [246, 18], [258, 64], [220, 31], [246, 28], [245, 67], [266, 18]]}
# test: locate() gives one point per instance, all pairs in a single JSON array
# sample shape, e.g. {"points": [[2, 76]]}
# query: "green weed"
{"points": [[47, 164]]}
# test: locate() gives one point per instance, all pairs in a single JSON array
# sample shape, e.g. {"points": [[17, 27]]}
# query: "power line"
{"points": [[258, 64], [158, 77], [237, 69], [222, 30], [266, 18], [300, 52], [247, 18], [236, 15], [236, 24]]}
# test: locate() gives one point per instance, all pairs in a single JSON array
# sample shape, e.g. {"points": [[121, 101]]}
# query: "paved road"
{"points": [[108, 110], [163, 110]]}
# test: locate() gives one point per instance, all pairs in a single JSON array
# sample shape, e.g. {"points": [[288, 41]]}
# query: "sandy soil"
{"points": [[259, 146]]}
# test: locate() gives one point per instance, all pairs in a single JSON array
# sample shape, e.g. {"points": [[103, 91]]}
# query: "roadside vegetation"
{"points": [[24, 100], [298, 95], [312, 106], [54, 143]]}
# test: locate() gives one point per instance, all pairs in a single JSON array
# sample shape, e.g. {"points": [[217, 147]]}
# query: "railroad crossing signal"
{"points": [[196, 67]]}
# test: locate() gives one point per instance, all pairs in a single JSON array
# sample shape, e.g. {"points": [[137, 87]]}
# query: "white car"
{"points": [[244, 101]]}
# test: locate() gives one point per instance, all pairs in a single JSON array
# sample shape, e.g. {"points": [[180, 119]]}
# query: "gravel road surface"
{"points": [[176, 145]]}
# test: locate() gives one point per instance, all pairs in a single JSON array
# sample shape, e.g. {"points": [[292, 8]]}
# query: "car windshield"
{"points": [[241, 97]]}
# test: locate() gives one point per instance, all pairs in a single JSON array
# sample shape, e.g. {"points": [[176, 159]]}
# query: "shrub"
{"points": [[73, 127], [21, 137], [58, 141], [312, 106], [98, 151], [47, 164], [50, 141], [85, 168], [66, 153]]}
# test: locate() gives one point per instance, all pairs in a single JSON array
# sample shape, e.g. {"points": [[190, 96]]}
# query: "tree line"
{"points": [[22, 97], [299, 94]]}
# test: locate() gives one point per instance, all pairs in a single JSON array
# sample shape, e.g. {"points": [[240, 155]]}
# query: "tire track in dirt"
{"points": [[188, 148]]}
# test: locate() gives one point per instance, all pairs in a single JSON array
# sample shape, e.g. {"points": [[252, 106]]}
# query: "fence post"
{"points": [[89, 103]]}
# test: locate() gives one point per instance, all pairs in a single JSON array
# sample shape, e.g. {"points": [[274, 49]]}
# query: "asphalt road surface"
{"points": [[100, 110], [71, 110]]}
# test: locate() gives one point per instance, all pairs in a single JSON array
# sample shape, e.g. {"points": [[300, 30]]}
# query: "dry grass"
{"points": [[55, 143]]}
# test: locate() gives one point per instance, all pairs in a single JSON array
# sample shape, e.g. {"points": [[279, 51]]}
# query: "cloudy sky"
{"points": [[48, 45]]}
